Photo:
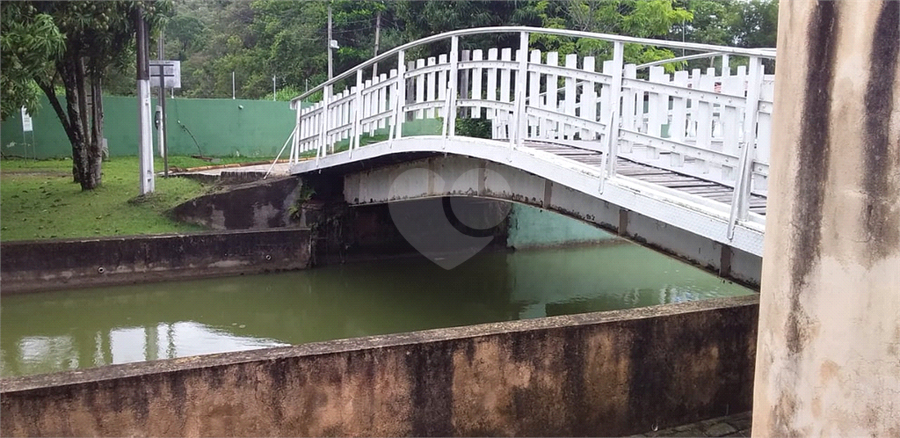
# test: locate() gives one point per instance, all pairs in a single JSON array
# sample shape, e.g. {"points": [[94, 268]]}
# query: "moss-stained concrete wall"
{"points": [[599, 374], [27, 266], [256, 205]]}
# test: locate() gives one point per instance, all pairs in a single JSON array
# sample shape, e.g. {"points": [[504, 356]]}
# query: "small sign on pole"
{"points": [[27, 125], [171, 71]]}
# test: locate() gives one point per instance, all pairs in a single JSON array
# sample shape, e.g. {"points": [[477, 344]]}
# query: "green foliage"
{"points": [[304, 193], [29, 42], [751, 23], [756, 23], [653, 18], [478, 128], [285, 94], [186, 33], [637, 18]]}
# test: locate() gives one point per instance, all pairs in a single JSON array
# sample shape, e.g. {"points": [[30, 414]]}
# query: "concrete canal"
{"points": [[55, 331]]}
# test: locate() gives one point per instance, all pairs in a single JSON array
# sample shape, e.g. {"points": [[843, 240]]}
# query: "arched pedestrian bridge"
{"points": [[676, 160]]}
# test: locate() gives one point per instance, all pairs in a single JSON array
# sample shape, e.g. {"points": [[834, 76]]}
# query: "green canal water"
{"points": [[55, 331]]}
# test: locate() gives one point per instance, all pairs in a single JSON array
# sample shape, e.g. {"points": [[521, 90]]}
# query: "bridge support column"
{"points": [[829, 332]]}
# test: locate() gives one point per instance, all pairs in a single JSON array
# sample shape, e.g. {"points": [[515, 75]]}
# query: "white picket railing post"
{"points": [[740, 200], [612, 151], [452, 92], [399, 98], [520, 123], [295, 143], [357, 111]]}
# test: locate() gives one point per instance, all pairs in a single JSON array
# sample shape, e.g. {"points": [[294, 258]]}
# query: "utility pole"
{"points": [[143, 90], [330, 68], [273, 88], [377, 40], [232, 85], [163, 143]]}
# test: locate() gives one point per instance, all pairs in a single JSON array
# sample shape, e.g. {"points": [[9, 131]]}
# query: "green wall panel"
{"points": [[221, 127], [535, 227]]}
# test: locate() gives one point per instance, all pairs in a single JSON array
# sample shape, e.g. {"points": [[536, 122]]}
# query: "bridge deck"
{"points": [[644, 172]]}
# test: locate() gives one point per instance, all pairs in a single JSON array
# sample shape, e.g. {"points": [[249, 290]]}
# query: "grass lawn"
{"points": [[38, 200]]}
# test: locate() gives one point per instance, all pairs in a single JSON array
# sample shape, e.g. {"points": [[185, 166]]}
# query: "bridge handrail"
{"points": [[761, 53]]}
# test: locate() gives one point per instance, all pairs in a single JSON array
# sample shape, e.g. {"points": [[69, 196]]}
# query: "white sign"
{"points": [[171, 72], [26, 121]]}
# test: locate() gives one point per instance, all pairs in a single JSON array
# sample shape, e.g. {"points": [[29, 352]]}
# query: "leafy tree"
{"points": [[755, 24], [186, 33], [421, 19], [97, 37], [29, 42], [644, 19], [710, 24]]}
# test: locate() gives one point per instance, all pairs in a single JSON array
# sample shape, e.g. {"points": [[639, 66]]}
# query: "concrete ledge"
{"points": [[599, 374], [45, 265]]}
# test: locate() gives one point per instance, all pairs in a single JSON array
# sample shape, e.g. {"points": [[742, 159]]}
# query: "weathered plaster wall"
{"points": [[257, 205], [61, 264], [598, 374], [829, 344]]}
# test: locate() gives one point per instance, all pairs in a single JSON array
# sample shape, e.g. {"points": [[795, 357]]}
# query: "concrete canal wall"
{"points": [[253, 221], [55, 264], [597, 374]]}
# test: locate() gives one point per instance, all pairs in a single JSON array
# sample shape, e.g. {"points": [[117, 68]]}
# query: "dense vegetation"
{"points": [[287, 39]]}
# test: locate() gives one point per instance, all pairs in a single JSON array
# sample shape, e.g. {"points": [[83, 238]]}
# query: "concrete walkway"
{"points": [[231, 174], [280, 169], [730, 426]]}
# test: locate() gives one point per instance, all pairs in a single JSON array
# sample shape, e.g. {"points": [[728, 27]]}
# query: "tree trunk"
{"points": [[84, 167], [73, 110], [83, 123], [94, 155]]}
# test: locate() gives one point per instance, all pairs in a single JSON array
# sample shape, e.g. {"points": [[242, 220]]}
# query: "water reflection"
{"points": [[56, 331]]}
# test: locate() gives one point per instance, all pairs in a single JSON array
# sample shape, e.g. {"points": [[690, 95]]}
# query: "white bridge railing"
{"points": [[712, 124]]}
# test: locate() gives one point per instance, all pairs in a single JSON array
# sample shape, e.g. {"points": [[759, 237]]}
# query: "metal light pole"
{"points": [[163, 144], [144, 111], [377, 40], [330, 62]]}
